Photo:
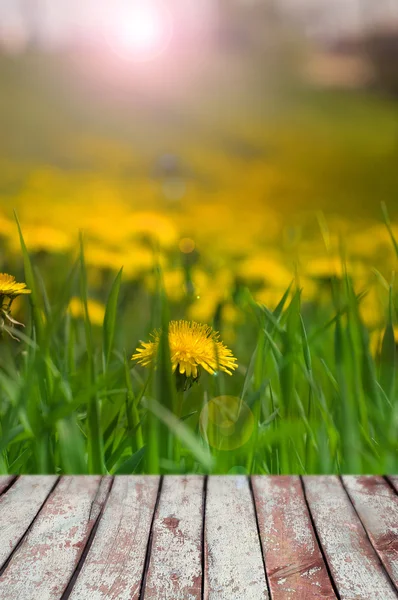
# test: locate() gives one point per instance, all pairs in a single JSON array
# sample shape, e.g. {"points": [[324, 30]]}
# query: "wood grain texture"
{"points": [[48, 543], [175, 568], [114, 565], [354, 565], [294, 563], [234, 566], [5, 481], [43, 564], [18, 507], [377, 506]]}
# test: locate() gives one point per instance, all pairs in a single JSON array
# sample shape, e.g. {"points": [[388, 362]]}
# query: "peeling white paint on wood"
{"points": [[18, 507], [353, 563], [45, 534], [294, 563], [175, 568], [5, 481], [234, 568], [42, 566], [114, 564], [377, 506]]}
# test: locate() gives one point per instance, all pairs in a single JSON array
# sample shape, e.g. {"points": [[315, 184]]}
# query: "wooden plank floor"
{"points": [[194, 537]]}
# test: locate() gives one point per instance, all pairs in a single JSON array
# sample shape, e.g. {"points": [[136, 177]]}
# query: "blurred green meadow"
{"points": [[226, 189]]}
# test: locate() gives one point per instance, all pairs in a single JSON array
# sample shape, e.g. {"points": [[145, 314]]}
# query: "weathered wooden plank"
{"points": [[393, 479], [5, 481], [354, 565], [18, 508], [175, 568], [234, 566], [377, 506], [294, 563], [115, 562], [43, 564]]}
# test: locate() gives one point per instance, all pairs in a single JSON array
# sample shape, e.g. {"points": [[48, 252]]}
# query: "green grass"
{"points": [[312, 397]]}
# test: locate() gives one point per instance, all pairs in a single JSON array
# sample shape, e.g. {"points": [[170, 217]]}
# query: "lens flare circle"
{"points": [[139, 31], [226, 422]]}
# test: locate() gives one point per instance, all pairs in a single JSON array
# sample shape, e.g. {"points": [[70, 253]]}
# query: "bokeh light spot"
{"points": [[187, 245], [226, 422]]}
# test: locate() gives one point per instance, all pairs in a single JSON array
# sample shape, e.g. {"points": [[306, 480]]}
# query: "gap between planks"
{"points": [[6, 481], [16, 538], [259, 536], [375, 503], [47, 556], [75, 575], [354, 564], [318, 541], [391, 483], [150, 540]]}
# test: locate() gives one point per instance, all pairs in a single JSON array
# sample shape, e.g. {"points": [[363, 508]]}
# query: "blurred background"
{"points": [[251, 140]]}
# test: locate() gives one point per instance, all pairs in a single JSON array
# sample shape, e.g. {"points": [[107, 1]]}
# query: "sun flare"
{"points": [[139, 31]]}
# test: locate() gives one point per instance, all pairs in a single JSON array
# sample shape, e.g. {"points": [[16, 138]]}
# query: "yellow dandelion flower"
{"points": [[192, 346], [9, 287], [9, 290]]}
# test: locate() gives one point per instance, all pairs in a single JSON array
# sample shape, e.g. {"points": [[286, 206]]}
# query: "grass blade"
{"points": [[182, 432], [95, 441], [109, 325]]}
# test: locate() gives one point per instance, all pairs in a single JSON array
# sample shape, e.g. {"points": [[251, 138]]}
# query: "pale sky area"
{"points": [[54, 22]]}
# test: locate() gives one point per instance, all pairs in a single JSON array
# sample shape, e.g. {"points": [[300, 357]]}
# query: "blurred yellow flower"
{"points": [[139, 260], [154, 225], [174, 283], [192, 346], [134, 259], [371, 308], [204, 306], [209, 291], [9, 287], [41, 237], [324, 267], [265, 269], [372, 241], [96, 310], [96, 255], [6, 226]]}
